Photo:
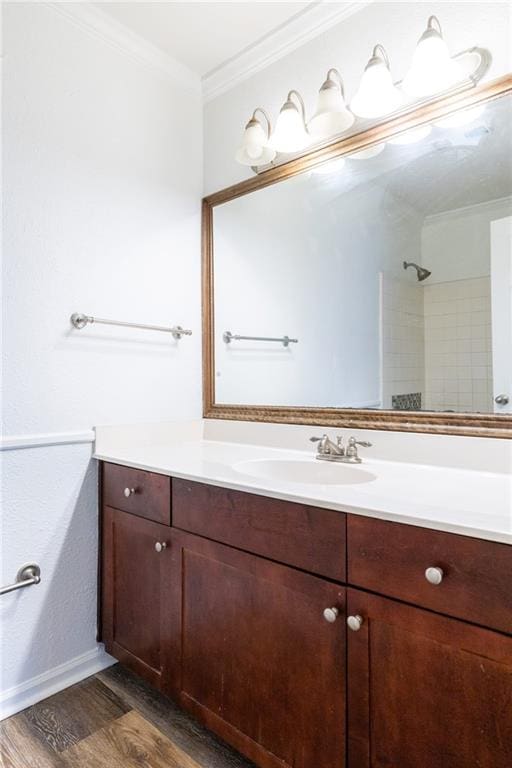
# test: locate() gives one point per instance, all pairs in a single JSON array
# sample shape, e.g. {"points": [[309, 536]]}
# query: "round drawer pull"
{"points": [[434, 575], [355, 622], [160, 546], [331, 614], [129, 492]]}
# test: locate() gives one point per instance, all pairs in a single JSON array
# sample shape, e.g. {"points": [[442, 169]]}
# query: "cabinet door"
{"points": [[260, 664], [426, 691], [136, 581]]}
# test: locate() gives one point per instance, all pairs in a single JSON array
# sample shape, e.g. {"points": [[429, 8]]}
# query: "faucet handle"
{"points": [[322, 443], [364, 443], [351, 452]]}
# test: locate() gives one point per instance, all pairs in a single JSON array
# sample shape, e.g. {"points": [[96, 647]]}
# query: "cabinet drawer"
{"points": [[306, 537], [392, 558], [145, 494]]}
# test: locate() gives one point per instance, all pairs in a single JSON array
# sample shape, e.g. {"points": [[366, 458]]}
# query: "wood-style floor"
{"points": [[110, 720]]}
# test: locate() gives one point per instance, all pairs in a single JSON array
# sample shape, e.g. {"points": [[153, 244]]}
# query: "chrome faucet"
{"points": [[330, 451]]}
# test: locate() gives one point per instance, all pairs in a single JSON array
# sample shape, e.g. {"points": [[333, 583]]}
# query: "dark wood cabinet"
{"points": [[308, 538], [392, 558], [260, 664], [146, 494], [136, 582], [426, 691], [228, 618]]}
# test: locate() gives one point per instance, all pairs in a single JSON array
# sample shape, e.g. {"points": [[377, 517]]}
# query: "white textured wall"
{"points": [[49, 517], [102, 185], [310, 269], [456, 245], [347, 46]]}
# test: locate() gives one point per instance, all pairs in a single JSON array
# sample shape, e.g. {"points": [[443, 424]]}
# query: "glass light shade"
{"points": [[290, 133], [254, 149], [432, 69], [377, 95], [411, 136], [332, 115], [458, 119]]}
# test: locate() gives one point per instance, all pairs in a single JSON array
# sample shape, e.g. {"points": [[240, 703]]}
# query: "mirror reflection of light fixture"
{"points": [[328, 168], [411, 136], [432, 70], [377, 95], [290, 133], [254, 149], [368, 152], [331, 116], [458, 119]]}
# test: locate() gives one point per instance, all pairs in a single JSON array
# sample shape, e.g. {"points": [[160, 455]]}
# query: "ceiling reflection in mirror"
{"points": [[382, 279]]}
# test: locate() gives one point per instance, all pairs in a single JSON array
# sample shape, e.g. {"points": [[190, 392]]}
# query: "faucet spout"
{"points": [[326, 447]]}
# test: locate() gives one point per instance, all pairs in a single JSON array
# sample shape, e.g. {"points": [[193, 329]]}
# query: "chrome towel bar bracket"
{"points": [[27, 575], [78, 320], [228, 337]]}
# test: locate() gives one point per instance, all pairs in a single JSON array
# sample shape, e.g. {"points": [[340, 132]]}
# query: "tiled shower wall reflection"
{"points": [[403, 370], [436, 340], [458, 356]]}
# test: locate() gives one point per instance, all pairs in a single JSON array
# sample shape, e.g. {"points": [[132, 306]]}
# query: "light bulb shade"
{"points": [[377, 95], [432, 69], [290, 133], [254, 149], [332, 115]]}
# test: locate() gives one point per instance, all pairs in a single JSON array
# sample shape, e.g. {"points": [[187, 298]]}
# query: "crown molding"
{"points": [[111, 32], [315, 19], [456, 213]]}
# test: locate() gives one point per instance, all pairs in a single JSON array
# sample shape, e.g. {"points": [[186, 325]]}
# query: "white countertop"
{"points": [[457, 500]]}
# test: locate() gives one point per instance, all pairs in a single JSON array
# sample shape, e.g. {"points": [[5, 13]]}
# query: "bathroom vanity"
{"points": [[316, 614], [305, 636]]}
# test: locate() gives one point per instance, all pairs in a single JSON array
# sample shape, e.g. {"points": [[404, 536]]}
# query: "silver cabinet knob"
{"points": [[160, 546], [331, 614], [501, 399], [355, 623], [434, 575], [129, 492]]}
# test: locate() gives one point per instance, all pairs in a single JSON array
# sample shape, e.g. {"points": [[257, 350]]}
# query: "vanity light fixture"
{"points": [[290, 133], [433, 69], [255, 149], [377, 94], [331, 116]]}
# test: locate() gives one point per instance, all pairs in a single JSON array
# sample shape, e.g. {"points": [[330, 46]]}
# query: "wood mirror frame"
{"points": [[483, 425]]}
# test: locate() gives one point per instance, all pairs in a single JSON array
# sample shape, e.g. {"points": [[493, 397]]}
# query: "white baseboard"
{"points": [[54, 680]]}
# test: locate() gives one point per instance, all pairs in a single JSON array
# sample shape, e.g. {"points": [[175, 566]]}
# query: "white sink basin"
{"points": [[311, 472]]}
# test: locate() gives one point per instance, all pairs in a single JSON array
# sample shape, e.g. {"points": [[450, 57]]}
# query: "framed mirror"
{"points": [[368, 283]]}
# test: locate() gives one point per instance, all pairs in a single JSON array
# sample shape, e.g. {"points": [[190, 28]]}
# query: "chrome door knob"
{"points": [[501, 399], [160, 546], [331, 614], [129, 492], [355, 622], [434, 575]]}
